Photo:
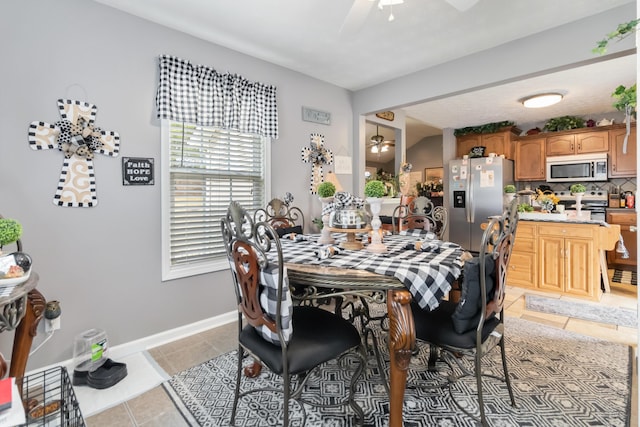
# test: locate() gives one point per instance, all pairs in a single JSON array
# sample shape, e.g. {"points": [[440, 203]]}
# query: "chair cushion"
{"points": [[437, 327], [269, 299], [467, 313], [318, 336], [287, 230]]}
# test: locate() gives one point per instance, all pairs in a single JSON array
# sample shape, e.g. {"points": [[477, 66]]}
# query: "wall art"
{"points": [[317, 155], [77, 137]]}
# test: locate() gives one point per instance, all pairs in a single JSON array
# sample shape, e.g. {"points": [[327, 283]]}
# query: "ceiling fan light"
{"points": [[374, 149], [542, 100], [384, 148], [383, 3]]}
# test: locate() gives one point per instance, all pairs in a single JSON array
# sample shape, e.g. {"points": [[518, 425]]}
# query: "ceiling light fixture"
{"points": [[542, 100], [390, 3]]}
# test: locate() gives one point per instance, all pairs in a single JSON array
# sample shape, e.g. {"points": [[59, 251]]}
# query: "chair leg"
{"points": [[286, 387], [237, 393], [433, 358], [507, 379], [478, 364], [361, 353]]}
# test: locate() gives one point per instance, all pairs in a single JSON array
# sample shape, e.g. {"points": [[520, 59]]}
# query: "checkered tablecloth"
{"points": [[428, 275]]}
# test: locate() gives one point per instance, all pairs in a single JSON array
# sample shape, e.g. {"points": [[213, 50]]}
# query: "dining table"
{"points": [[416, 267]]}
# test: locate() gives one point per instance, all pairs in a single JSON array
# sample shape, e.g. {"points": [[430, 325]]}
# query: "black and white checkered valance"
{"points": [[199, 94]]}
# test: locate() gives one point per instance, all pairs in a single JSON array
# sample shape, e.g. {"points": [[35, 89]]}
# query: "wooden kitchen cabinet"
{"points": [[578, 143], [524, 261], [627, 220], [560, 257], [620, 164], [530, 160], [498, 142], [569, 264]]}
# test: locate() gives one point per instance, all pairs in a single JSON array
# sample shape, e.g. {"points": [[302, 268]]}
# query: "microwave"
{"points": [[578, 167]]}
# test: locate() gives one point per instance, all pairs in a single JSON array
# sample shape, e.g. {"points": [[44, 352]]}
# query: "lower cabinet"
{"points": [[558, 257], [565, 265], [523, 265]]}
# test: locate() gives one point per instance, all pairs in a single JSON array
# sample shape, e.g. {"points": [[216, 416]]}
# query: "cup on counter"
{"points": [[492, 154], [466, 156], [560, 208]]}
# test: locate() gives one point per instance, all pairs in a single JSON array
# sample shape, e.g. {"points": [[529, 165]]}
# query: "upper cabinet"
{"points": [[621, 164], [498, 142], [531, 151], [577, 142], [530, 160]]}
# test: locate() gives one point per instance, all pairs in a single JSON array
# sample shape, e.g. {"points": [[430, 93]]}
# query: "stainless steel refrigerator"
{"points": [[475, 193]]}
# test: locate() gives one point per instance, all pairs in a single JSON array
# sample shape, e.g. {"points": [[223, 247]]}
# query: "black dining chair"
{"points": [[293, 342], [474, 325], [420, 213], [282, 216]]}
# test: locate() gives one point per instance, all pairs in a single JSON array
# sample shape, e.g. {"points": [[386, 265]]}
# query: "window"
{"points": [[203, 169]]}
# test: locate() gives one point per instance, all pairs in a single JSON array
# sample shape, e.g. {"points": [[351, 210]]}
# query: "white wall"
{"points": [[103, 263]]}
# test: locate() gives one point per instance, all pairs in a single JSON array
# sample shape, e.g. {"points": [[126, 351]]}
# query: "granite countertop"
{"points": [[565, 221]]}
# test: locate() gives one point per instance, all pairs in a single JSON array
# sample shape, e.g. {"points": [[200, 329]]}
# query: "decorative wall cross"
{"points": [[317, 155], [77, 137]]}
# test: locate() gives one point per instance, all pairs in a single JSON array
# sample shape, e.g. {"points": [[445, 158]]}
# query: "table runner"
{"points": [[428, 275]]}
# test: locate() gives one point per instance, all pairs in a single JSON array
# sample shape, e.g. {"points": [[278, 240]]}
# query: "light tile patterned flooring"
{"points": [[154, 408]]}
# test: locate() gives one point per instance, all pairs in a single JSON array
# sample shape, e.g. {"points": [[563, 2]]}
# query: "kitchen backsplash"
{"points": [[624, 184]]}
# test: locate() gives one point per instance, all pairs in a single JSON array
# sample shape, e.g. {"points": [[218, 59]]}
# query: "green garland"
{"points": [[486, 128], [622, 31]]}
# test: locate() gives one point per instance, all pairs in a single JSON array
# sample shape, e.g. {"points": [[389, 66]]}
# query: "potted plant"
{"points": [[563, 123], [577, 189], [326, 189], [374, 188], [10, 231], [509, 193], [373, 191], [626, 102]]}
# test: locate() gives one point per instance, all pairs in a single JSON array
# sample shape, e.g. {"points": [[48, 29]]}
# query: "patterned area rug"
{"points": [[559, 379], [587, 311], [625, 277]]}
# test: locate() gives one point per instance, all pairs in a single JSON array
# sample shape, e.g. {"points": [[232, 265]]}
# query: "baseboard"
{"points": [[164, 337]]}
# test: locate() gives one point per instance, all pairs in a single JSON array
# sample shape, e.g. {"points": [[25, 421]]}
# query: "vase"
{"points": [[325, 234], [376, 245], [578, 204]]}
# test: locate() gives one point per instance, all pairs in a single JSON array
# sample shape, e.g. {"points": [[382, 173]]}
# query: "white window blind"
{"points": [[207, 168]]}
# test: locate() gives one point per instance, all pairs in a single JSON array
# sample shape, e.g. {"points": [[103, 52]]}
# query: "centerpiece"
{"points": [[346, 215], [546, 200]]}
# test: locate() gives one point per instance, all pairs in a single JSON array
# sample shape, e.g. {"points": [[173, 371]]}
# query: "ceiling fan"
{"points": [[378, 144], [360, 10]]}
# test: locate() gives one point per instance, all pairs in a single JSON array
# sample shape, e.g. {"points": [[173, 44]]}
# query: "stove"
{"points": [[594, 201]]}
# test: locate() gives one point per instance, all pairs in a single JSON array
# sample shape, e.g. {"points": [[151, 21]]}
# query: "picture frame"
{"points": [[433, 174]]}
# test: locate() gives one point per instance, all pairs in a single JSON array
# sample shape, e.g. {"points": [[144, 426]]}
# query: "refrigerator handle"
{"points": [[470, 208]]}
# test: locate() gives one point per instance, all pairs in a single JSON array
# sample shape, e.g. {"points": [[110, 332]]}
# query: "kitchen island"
{"points": [[562, 256]]}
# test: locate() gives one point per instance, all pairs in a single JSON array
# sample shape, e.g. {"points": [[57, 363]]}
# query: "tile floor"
{"points": [[154, 408]]}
